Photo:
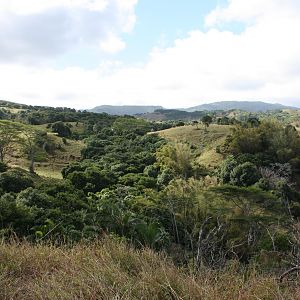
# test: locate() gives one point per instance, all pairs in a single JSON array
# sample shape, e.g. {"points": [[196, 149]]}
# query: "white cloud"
{"points": [[36, 30], [260, 63], [112, 44], [22, 7], [252, 11]]}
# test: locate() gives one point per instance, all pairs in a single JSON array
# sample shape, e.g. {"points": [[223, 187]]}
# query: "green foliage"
{"points": [[15, 181], [177, 158], [207, 120], [137, 186], [61, 129], [151, 234], [165, 177], [130, 124], [245, 174], [92, 179], [227, 167], [3, 167], [281, 144], [32, 141], [9, 136]]}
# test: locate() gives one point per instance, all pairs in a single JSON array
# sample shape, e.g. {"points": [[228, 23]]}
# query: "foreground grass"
{"points": [[113, 270]]}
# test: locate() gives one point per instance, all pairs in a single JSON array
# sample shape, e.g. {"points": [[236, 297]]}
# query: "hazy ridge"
{"points": [[249, 106]]}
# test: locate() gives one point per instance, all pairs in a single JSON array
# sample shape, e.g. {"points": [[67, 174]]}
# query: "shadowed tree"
{"points": [[206, 120], [253, 122]]}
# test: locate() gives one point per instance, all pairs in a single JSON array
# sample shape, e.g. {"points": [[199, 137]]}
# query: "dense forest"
{"points": [[146, 185]]}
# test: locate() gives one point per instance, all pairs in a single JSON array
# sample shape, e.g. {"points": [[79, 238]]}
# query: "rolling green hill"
{"points": [[205, 142]]}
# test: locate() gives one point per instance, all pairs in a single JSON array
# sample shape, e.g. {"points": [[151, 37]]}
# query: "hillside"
{"points": [[51, 165], [208, 199], [125, 109], [204, 142], [60, 151]]}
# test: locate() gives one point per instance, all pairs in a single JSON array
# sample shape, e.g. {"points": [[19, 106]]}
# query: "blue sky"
{"points": [[83, 53], [161, 22], [158, 23]]}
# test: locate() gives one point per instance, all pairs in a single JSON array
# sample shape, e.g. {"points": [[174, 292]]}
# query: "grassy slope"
{"points": [[112, 270], [205, 142], [54, 163]]}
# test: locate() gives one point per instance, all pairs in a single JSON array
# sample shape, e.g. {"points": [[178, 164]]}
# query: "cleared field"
{"points": [[205, 142], [51, 165]]}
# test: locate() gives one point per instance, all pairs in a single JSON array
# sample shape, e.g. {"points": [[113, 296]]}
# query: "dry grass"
{"points": [[113, 270]]}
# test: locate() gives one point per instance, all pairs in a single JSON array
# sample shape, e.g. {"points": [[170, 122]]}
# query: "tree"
{"points": [[9, 135], [176, 157], [224, 121], [253, 122], [61, 129], [15, 181], [29, 142], [196, 123], [206, 120]]}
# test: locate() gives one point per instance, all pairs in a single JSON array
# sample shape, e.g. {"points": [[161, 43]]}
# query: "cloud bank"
{"points": [[260, 62], [36, 30]]}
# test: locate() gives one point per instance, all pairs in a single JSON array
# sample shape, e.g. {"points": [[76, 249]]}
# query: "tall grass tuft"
{"points": [[111, 269]]}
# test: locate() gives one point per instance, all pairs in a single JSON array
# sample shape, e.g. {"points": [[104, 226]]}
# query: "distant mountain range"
{"points": [[248, 106], [125, 109]]}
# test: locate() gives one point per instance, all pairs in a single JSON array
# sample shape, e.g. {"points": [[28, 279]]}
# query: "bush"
{"points": [[165, 177], [227, 167], [3, 167], [151, 171], [61, 129], [15, 181], [244, 175]]}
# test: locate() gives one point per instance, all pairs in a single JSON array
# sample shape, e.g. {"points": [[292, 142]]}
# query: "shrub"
{"points": [[151, 171], [165, 177], [3, 167], [61, 129], [244, 175], [15, 181], [227, 167]]}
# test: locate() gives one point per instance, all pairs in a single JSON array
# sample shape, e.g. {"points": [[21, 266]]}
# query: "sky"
{"points": [[173, 53]]}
